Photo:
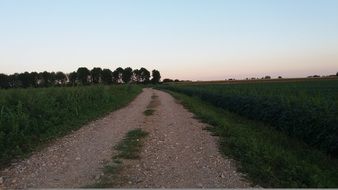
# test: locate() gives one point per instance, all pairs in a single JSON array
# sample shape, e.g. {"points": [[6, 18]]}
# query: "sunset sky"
{"points": [[185, 39]]}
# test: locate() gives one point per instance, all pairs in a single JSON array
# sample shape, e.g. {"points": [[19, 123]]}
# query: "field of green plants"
{"points": [[306, 110], [30, 117], [267, 156], [282, 134]]}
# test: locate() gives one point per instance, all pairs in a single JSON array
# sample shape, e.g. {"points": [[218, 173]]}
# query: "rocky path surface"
{"points": [[177, 153]]}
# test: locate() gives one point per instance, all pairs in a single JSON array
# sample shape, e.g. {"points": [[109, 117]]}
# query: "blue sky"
{"points": [[185, 39]]}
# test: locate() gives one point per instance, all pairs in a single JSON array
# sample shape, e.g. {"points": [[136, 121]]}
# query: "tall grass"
{"points": [[305, 110], [29, 117], [267, 156]]}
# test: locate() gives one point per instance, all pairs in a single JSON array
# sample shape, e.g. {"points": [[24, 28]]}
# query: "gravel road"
{"points": [[177, 153]]}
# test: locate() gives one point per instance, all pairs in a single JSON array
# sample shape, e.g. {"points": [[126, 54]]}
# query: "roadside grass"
{"points": [[149, 112], [153, 103], [129, 148], [111, 175], [268, 157]]}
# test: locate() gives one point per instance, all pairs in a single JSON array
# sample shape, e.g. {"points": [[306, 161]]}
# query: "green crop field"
{"points": [[284, 134], [307, 110], [30, 117]]}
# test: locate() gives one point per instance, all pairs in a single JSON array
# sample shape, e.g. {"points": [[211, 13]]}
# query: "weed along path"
{"points": [[175, 152]]}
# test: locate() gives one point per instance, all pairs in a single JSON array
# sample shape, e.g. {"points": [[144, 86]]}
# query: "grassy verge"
{"points": [[149, 112], [31, 117], [129, 148], [268, 157], [153, 103]]}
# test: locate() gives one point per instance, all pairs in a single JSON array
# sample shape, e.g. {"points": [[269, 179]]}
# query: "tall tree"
{"points": [[127, 75], [47, 79], [72, 78], [60, 78], [34, 77], [96, 74], [25, 80], [117, 75], [13, 80], [44, 76], [107, 76], [82, 75], [136, 75], [4, 81], [156, 76], [53, 78], [144, 75]]}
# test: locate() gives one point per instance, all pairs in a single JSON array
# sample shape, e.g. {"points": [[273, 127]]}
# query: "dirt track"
{"points": [[177, 152]]}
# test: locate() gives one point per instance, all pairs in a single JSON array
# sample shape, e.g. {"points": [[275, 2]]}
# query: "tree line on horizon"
{"points": [[83, 76]]}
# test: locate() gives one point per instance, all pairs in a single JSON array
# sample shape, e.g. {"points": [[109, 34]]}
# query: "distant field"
{"points": [[29, 117], [303, 108], [255, 81]]}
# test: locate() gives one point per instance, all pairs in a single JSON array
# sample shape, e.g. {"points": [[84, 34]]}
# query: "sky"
{"points": [[184, 39]]}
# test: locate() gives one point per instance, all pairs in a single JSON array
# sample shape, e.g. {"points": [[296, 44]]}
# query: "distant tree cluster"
{"points": [[83, 76], [170, 80], [314, 76], [323, 76]]}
